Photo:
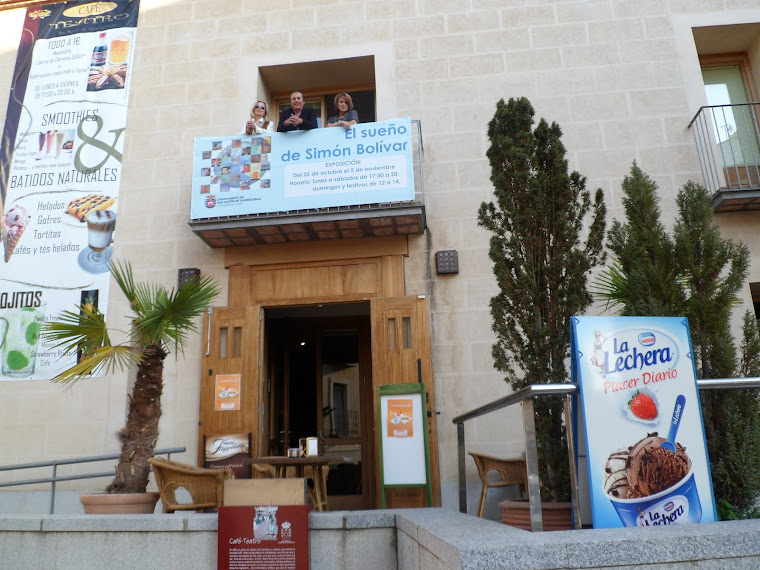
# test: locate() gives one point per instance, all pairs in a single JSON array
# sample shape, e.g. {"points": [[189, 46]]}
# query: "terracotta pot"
{"points": [[119, 503], [556, 516]]}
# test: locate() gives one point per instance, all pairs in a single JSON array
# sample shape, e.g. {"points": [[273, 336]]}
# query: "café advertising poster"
{"points": [[400, 417], [228, 451], [367, 164], [263, 537], [60, 167], [227, 392], [647, 455]]}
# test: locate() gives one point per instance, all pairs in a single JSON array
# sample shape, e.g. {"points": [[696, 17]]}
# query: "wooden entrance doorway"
{"points": [[348, 297], [319, 384]]}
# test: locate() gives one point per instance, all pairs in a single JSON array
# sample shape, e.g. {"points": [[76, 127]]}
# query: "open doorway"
{"points": [[318, 384]]}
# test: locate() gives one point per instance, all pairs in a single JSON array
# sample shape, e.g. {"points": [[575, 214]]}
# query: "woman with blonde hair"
{"points": [[345, 115], [258, 123]]}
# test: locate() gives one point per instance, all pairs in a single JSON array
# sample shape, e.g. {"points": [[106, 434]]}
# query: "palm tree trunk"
{"points": [[140, 434]]}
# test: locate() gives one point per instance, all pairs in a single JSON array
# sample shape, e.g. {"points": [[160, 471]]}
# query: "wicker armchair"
{"points": [[511, 471], [205, 486]]}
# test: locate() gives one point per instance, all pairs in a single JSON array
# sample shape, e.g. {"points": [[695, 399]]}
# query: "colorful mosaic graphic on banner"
{"points": [[647, 456], [369, 163], [61, 165]]}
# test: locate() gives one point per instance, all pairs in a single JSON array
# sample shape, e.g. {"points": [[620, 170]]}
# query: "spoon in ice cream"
{"points": [[670, 443]]}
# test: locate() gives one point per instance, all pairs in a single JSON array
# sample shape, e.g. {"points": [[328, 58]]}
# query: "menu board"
{"points": [[647, 456], [60, 167], [277, 172]]}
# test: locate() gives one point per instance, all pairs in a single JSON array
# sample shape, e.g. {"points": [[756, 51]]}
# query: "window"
{"points": [[320, 81]]}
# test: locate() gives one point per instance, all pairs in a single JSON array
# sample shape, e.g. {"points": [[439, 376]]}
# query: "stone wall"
{"points": [[411, 539]]}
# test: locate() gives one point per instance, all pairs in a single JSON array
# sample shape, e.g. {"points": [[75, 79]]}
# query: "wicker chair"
{"points": [[205, 486], [512, 472]]}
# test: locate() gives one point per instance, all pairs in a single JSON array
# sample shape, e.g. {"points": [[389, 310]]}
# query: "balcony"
{"points": [[727, 143], [309, 186]]}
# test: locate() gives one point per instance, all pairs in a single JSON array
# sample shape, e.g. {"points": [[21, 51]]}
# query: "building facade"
{"points": [[625, 79]]}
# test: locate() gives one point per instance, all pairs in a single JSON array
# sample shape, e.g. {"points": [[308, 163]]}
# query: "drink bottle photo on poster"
{"points": [[60, 168], [647, 455]]}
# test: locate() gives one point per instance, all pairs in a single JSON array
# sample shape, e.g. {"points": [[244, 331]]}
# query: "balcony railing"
{"points": [[727, 138]]}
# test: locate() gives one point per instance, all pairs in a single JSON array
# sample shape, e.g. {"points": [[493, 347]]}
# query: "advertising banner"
{"points": [[275, 537], [278, 172], [647, 456], [60, 166]]}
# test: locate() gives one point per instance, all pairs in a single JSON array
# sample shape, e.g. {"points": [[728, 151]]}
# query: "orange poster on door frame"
{"points": [[400, 416], [227, 392]]}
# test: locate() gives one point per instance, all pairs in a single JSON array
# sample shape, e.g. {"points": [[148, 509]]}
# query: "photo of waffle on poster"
{"points": [[237, 164]]}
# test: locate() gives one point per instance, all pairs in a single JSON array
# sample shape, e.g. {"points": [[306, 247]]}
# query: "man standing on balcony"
{"points": [[298, 117]]}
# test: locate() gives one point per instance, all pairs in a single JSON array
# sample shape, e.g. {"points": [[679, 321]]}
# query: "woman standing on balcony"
{"points": [[258, 123], [346, 114]]}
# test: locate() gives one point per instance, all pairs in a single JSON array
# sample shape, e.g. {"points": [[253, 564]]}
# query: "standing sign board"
{"points": [[647, 457], [403, 434], [264, 537]]}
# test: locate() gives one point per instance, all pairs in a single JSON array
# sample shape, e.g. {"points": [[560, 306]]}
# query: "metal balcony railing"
{"points": [[727, 138], [525, 397], [55, 478]]}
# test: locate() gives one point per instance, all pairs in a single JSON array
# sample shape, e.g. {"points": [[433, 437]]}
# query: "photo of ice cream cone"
{"points": [[15, 221]]}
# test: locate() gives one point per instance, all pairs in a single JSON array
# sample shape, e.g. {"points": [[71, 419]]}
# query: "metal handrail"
{"points": [[54, 463], [525, 396], [729, 162]]}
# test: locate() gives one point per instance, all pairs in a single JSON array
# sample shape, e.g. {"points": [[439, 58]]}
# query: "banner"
{"points": [[369, 163], [647, 455], [60, 167]]}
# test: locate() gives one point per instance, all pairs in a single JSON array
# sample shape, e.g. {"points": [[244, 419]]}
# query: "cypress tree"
{"points": [[541, 264], [643, 253], [696, 273]]}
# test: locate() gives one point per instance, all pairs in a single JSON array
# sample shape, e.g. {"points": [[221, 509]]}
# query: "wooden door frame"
{"points": [[316, 326]]}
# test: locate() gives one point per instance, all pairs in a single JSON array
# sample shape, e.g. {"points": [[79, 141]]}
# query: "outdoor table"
{"points": [[281, 465]]}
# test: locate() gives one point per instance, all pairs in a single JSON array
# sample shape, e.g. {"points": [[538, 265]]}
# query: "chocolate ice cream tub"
{"points": [[677, 505]]}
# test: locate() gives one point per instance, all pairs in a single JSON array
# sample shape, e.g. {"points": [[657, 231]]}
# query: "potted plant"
{"points": [[541, 264], [161, 320]]}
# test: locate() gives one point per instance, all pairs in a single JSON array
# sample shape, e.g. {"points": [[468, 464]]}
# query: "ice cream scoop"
{"points": [[670, 443], [616, 479], [653, 468]]}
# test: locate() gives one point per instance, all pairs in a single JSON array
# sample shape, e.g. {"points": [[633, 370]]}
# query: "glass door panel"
{"points": [[341, 414]]}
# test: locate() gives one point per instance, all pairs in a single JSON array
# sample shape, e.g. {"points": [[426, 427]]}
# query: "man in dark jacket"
{"points": [[298, 117]]}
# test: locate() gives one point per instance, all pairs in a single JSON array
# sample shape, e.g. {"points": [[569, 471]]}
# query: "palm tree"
{"points": [[161, 322]]}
